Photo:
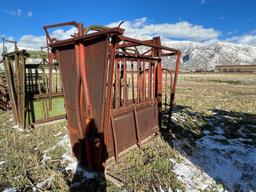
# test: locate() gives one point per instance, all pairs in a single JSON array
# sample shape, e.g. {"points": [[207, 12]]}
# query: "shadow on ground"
{"points": [[79, 182], [222, 144], [83, 179]]}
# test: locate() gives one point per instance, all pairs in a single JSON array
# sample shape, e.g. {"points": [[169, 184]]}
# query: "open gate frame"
{"points": [[24, 84]]}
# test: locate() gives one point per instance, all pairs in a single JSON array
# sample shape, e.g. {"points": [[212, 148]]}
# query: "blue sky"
{"points": [[231, 20]]}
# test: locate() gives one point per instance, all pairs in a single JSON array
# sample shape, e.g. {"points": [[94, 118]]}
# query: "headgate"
{"points": [[113, 89]]}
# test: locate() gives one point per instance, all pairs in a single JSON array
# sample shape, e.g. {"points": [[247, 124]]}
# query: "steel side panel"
{"points": [[124, 125], [125, 131], [96, 64], [96, 57], [147, 119], [68, 73]]}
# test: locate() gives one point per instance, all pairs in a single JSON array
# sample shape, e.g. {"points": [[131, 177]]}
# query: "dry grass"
{"points": [[30, 156], [34, 156], [148, 168]]}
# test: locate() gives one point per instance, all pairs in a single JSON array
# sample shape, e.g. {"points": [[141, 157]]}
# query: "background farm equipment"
{"points": [[29, 86]]}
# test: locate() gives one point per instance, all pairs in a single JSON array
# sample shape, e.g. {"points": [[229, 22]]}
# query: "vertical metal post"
{"points": [[117, 102], [50, 79], [136, 126], [174, 85], [138, 81], [150, 80], [133, 99], [107, 110], [165, 89], [22, 71], [114, 137], [159, 80], [17, 86], [11, 90], [144, 84], [176, 71], [125, 86], [159, 92], [155, 80]]}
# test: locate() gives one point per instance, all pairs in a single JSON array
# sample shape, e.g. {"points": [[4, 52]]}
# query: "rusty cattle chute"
{"points": [[112, 89]]}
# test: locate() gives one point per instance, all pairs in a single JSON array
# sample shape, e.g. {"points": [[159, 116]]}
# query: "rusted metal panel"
{"points": [[112, 90], [129, 132], [95, 64], [67, 58], [125, 130], [96, 60], [4, 98]]}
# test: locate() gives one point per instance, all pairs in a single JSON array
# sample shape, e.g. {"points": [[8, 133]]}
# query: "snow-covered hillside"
{"points": [[207, 56]]}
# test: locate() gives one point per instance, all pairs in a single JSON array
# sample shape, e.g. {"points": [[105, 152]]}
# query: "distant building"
{"points": [[236, 68]]}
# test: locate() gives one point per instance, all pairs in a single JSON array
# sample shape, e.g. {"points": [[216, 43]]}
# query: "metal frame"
{"points": [[27, 83], [104, 117]]}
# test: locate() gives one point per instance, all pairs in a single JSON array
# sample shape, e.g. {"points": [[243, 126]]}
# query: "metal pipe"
{"points": [[133, 98], [83, 67], [125, 86], [117, 102]]}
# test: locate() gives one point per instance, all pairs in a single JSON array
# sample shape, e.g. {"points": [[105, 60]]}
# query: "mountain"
{"points": [[205, 56], [199, 56]]}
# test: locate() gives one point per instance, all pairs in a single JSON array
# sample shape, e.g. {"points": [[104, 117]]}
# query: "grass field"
{"points": [[211, 146], [57, 108]]}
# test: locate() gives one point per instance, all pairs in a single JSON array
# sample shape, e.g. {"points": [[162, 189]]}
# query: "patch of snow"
{"points": [[219, 130], [58, 134], [46, 158], [73, 164], [161, 189], [67, 156], [12, 189], [2, 162], [174, 118], [206, 132], [16, 127], [234, 164], [76, 168], [192, 176], [64, 141], [218, 158], [45, 182]]}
